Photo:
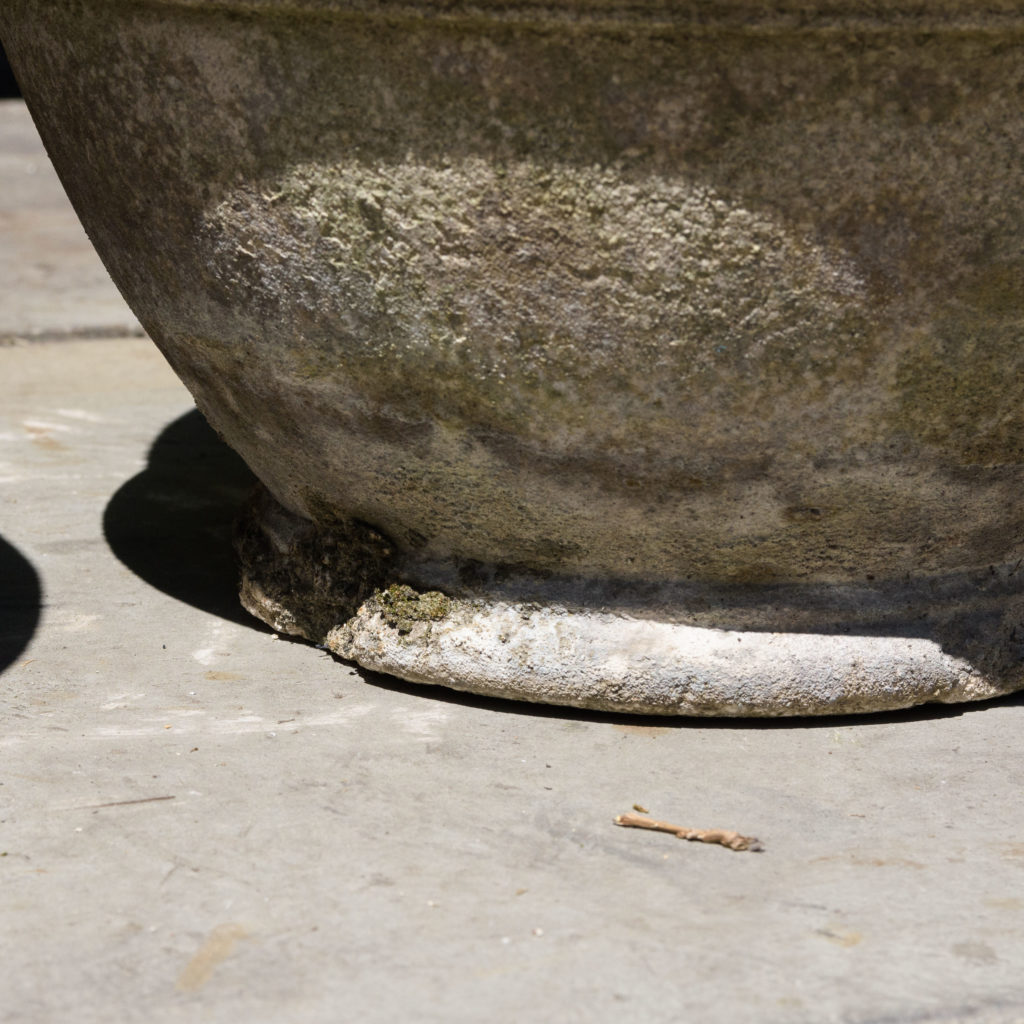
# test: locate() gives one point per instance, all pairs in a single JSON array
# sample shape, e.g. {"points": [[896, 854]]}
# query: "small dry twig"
{"points": [[732, 840]]}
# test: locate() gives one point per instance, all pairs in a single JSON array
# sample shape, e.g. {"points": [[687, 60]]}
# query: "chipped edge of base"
{"points": [[611, 662]]}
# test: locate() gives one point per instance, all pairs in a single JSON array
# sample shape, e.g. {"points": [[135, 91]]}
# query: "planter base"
{"points": [[834, 650]]}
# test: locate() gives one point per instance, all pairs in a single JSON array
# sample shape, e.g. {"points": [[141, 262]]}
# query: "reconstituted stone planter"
{"points": [[657, 356]]}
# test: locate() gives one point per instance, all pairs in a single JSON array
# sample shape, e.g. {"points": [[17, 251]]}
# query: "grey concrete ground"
{"points": [[200, 821], [52, 283]]}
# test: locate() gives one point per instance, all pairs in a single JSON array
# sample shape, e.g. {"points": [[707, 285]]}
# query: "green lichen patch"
{"points": [[402, 608]]}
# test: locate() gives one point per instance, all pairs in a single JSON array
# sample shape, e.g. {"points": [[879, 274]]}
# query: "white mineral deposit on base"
{"points": [[614, 663], [589, 352]]}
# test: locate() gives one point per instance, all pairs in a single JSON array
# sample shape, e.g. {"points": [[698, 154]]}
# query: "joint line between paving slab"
{"points": [[12, 338]]}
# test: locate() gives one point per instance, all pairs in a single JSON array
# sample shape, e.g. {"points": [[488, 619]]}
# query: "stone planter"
{"points": [[658, 356]]}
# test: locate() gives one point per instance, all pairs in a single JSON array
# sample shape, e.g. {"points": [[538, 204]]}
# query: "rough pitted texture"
{"points": [[586, 300]]}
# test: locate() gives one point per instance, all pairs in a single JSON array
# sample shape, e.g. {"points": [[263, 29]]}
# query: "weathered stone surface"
{"points": [[617, 663], [602, 305], [669, 650]]}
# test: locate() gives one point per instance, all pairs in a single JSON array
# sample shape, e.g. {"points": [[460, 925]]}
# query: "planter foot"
{"points": [[338, 586]]}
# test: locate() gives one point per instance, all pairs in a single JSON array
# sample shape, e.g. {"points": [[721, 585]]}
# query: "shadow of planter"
{"points": [[21, 598], [172, 523], [8, 83]]}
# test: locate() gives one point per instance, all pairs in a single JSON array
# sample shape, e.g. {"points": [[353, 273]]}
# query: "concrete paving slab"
{"points": [[202, 821], [53, 282]]}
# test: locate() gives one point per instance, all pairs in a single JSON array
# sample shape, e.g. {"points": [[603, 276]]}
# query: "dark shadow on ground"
{"points": [[172, 523], [8, 84], [21, 600]]}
